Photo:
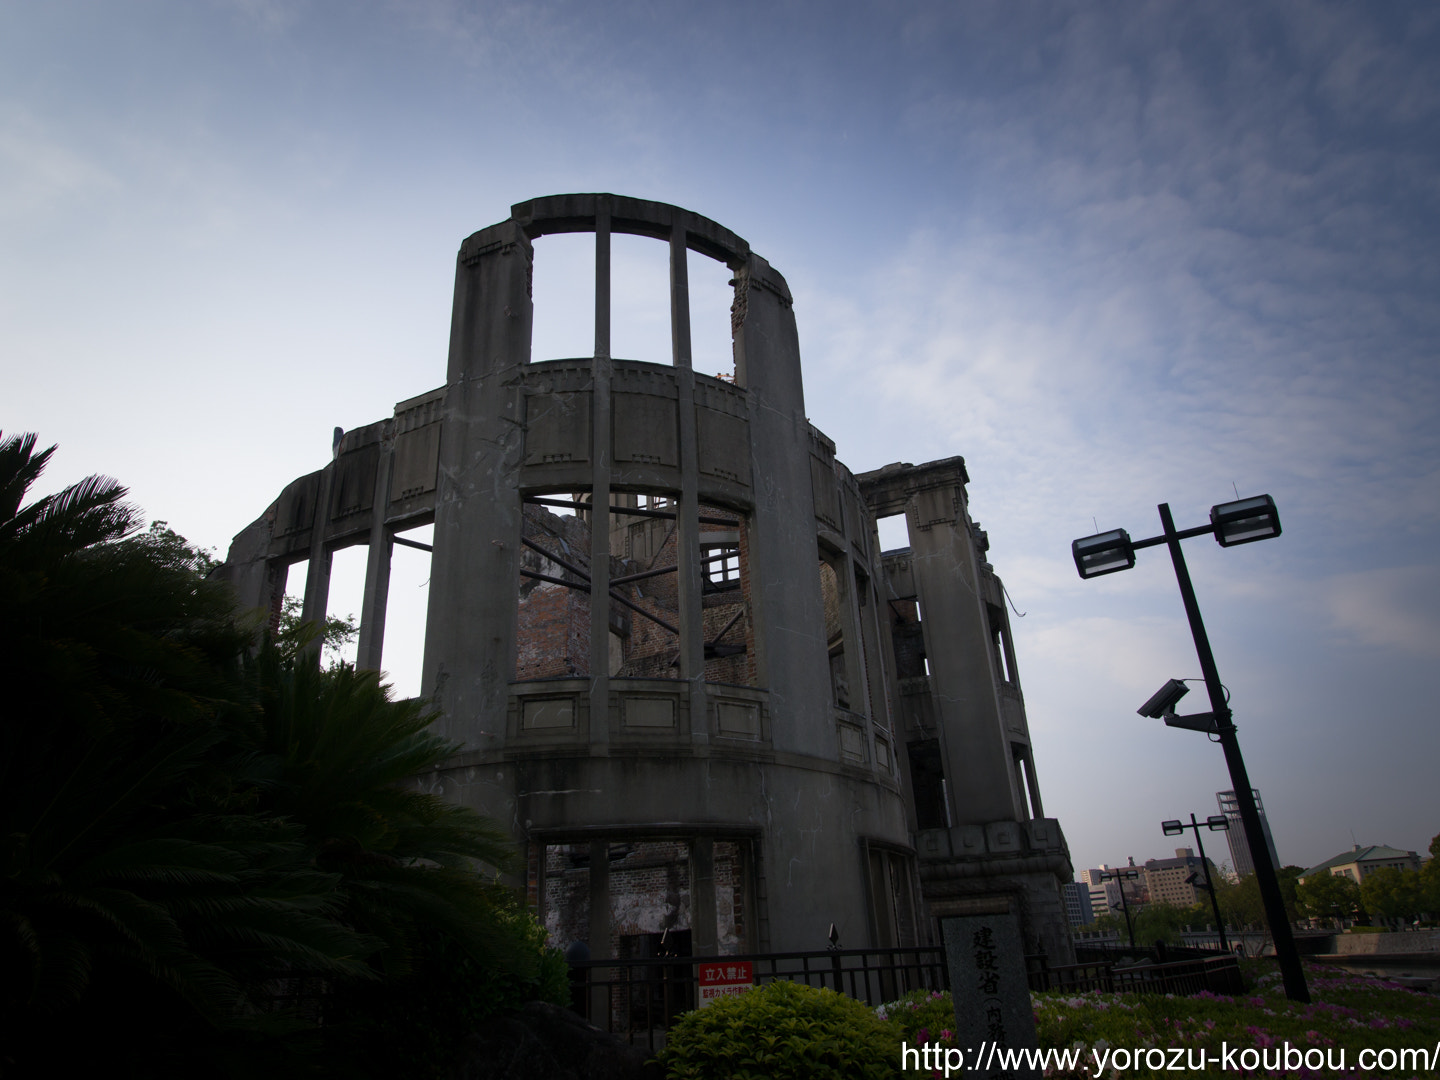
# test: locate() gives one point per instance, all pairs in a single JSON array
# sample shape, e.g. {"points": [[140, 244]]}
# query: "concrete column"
{"points": [[600, 926], [600, 369], [377, 569], [687, 518], [1036, 806], [475, 566], [317, 576], [787, 607], [979, 767], [704, 933]]}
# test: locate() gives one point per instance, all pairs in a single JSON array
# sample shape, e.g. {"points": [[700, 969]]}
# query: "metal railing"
{"points": [[1216, 974], [639, 998]]}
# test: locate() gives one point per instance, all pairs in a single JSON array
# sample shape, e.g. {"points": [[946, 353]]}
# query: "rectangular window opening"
{"points": [[563, 287], [894, 533], [711, 299], [407, 607], [640, 299]]}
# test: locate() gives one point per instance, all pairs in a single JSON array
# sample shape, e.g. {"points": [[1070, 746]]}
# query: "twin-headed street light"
{"points": [[1120, 877], [1216, 823], [1241, 522]]}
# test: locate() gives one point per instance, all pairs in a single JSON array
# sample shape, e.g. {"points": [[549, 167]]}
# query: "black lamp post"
{"points": [[1214, 822], [1241, 522], [1119, 877]]}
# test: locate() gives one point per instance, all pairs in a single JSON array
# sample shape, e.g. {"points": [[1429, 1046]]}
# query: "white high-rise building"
{"points": [[1240, 856]]}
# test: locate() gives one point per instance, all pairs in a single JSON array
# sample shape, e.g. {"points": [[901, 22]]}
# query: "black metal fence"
{"points": [[1215, 974], [639, 999]]}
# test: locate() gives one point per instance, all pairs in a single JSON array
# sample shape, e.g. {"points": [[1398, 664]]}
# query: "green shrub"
{"points": [[783, 1031]]}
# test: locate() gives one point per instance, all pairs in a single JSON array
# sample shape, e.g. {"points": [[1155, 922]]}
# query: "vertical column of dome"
{"points": [[790, 646], [470, 632]]}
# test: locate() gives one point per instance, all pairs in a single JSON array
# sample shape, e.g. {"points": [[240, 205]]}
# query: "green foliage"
{"points": [[194, 825], [334, 633], [1333, 897], [784, 1031], [1347, 1012], [1393, 894], [1430, 880], [1241, 904], [414, 1025]]}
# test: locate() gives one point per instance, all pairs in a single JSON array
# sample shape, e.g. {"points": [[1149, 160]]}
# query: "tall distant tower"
{"points": [[1240, 856]]}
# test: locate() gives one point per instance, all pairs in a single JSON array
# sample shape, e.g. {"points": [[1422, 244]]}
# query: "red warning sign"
{"points": [[727, 979]]}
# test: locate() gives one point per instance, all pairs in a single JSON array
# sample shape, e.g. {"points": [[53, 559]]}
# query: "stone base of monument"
{"points": [[988, 982]]}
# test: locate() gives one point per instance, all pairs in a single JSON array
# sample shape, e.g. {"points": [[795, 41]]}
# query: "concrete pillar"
{"points": [[600, 368], [317, 576], [784, 557], [979, 767], [600, 926], [687, 517], [377, 569], [704, 932], [470, 631]]}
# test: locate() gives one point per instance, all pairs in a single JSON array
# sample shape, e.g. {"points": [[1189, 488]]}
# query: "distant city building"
{"points": [[1166, 878], [1105, 894], [1360, 862], [1077, 903], [1240, 856]]}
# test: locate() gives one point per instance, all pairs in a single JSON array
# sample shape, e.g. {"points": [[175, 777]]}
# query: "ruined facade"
{"points": [[768, 726]]}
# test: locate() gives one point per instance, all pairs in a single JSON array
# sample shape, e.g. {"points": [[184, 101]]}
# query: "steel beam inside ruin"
{"points": [[855, 752]]}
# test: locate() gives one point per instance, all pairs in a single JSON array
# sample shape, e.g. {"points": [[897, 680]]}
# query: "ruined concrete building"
{"points": [[768, 726]]}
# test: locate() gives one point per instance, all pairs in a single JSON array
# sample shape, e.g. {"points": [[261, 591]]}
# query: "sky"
{"points": [[1112, 254]]}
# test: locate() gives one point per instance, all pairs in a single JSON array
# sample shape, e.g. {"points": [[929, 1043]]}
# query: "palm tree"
{"points": [[135, 904]]}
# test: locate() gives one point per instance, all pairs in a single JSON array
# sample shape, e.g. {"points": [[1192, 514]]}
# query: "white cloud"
{"points": [[1391, 608]]}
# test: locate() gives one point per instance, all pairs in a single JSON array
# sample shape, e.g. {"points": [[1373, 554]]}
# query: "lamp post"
{"points": [[1214, 822], [1119, 877], [1241, 522]]}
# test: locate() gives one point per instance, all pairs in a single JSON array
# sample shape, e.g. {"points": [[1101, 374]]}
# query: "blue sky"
{"points": [[1112, 254]]}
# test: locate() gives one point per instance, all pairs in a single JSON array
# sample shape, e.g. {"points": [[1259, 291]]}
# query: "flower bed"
{"points": [[1348, 1014]]}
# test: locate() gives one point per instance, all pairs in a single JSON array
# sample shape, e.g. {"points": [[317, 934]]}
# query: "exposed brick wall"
{"points": [[649, 892], [553, 621]]}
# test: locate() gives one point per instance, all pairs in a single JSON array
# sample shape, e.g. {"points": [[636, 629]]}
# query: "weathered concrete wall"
{"points": [[732, 709]]}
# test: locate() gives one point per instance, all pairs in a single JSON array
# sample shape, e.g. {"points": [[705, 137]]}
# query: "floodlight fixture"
{"points": [[1103, 553], [1218, 822], [1240, 522], [1164, 700], [1173, 828], [1245, 521]]}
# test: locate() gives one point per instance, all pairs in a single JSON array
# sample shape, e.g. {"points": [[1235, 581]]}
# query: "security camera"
{"points": [[1164, 700]]}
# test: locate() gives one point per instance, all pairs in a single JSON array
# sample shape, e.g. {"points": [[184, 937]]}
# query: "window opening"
{"points": [[999, 646], [563, 292], [406, 608], [344, 601], [894, 532], [640, 298], [908, 638], [927, 784], [834, 635], [722, 565], [729, 632], [711, 298]]}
